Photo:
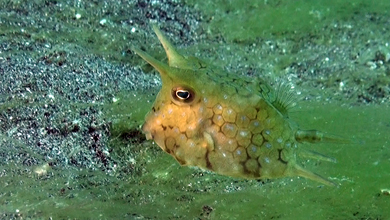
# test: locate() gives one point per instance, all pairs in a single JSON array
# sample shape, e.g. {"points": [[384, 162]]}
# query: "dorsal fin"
{"points": [[284, 98]]}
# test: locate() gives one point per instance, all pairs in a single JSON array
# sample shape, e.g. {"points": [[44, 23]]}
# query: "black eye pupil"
{"points": [[182, 94]]}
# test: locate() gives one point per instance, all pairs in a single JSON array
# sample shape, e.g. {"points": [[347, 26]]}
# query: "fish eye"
{"points": [[182, 94]]}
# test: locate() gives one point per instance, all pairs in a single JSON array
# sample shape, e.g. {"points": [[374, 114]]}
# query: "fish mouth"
{"points": [[145, 129]]}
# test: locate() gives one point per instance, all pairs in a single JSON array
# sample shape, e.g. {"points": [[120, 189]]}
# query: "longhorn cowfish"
{"points": [[232, 125]]}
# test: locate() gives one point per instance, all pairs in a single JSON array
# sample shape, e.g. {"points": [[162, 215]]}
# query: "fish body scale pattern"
{"points": [[227, 130]]}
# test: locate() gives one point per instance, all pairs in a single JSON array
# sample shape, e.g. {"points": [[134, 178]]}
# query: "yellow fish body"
{"points": [[232, 125]]}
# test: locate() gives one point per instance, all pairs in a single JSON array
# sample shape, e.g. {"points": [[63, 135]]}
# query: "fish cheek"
{"points": [[154, 128], [176, 129], [191, 143]]}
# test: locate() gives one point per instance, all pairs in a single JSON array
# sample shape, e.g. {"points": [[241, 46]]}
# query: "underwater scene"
{"points": [[185, 109]]}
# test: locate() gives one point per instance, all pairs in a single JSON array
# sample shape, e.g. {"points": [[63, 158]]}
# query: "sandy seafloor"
{"points": [[64, 63]]}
